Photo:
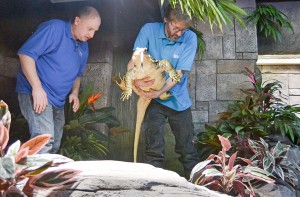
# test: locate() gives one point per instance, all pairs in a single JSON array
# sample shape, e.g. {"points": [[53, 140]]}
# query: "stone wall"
{"points": [[217, 78], [8, 71], [290, 40], [286, 69]]}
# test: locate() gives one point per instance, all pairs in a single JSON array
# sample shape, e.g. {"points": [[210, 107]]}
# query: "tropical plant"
{"points": [[216, 12], [260, 114], [271, 160], [200, 43], [222, 173], [81, 141], [269, 21], [20, 162]]}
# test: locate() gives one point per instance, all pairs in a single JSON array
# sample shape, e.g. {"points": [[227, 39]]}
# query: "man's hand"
{"points": [[145, 82], [40, 100], [74, 98], [151, 94]]}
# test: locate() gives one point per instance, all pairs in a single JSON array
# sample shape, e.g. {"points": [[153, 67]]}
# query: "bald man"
{"points": [[52, 62]]}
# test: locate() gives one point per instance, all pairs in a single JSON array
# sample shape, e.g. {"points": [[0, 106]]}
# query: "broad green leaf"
{"points": [[199, 167], [13, 149], [212, 172], [238, 128], [278, 170], [7, 167], [280, 149]]}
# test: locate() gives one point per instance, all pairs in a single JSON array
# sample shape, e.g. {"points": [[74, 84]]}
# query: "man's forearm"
{"points": [[170, 83], [76, 86], [29, 69]]}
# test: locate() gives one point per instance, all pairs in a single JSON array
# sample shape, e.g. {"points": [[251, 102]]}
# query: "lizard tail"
{"points": [[142, 105]]}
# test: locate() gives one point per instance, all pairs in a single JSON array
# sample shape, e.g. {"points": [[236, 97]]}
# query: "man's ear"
{"points": [[165, 20], [77, 20]]}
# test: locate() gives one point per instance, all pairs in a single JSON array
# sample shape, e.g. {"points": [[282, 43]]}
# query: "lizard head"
{"points": [[139, 56]]}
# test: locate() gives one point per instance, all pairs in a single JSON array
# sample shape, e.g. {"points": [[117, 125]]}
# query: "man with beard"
{"points": [[171, 40]]}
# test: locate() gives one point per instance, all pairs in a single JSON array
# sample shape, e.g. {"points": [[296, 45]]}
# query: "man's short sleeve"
{"points": [[187, 57], [41, 42], [142, 40]]}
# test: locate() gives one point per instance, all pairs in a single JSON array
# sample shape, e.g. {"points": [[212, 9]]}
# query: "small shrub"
{"points": [[220, 173], [20, 162], [270, 159]]}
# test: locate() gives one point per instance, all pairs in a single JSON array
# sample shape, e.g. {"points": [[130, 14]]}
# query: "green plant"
{"points": [[220, 173], [200, 42], [81, 141], [216, 12], [270, 159], [260, 114], [20, 162], [269, 21]]}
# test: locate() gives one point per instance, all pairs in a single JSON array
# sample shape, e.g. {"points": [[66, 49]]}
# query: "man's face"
{"points": [[84, 28], [174, 30]]}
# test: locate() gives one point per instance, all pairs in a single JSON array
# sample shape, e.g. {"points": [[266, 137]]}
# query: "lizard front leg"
{"points": [[128, 84], [166, 66]]}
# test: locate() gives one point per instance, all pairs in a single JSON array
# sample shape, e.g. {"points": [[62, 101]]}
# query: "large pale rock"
{"points": [[117, 178]]}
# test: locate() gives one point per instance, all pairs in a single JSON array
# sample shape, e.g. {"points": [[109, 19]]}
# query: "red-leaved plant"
{"points": [[220, 173], [19, 162]]}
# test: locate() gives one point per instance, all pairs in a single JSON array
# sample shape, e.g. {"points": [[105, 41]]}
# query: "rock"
{"points": [[117, 178], [274, 190]]}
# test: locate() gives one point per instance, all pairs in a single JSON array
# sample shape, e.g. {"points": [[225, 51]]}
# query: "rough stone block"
{"points": [[229, 47], [206, 87], [294, 100], [283, 69], [213, 48], [8, 93], [239, 56], [294, 92], [229, 85], [250, 56], [215, 107], [283, 78], [100, 74], [102, 52], [205, 67], [215, 31], [246, 3], [1, 60], [192, 85], [294, 81], [202, 106], [199, 127], [200, 116], [246, 39], [11, 66], [234, 66]]}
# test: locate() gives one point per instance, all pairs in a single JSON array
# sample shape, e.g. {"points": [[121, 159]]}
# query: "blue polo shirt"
{"points": [[59, 59], [180, 53]]}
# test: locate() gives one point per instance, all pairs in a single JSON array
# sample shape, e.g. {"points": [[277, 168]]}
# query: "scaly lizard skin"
{"points": [[145, 66]]}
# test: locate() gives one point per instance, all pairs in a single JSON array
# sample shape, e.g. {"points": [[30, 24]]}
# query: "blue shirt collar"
{"points": [[68, 30]]}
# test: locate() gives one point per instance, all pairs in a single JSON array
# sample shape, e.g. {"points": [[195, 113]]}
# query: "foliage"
{"points": [[219, 172], [270, 159], [269, 21], [261, 113], [19, 162], [81, 141], [216, 12], [200, 42]]}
